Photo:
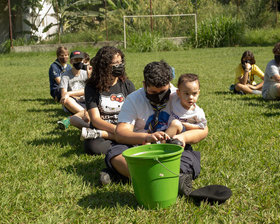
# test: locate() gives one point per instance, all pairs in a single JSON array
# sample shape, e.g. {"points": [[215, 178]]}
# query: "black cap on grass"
{"points": [[211, 194]]}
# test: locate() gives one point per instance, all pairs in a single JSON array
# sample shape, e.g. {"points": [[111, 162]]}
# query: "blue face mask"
{"points": [[173, 73]]}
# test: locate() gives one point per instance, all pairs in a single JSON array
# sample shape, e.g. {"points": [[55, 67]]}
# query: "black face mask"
{"points": [[118, 70], [158, 98], [277, 59], [78, 65], [84, 67], [244, 62]]}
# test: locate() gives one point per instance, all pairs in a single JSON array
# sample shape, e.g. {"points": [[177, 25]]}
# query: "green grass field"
{"points": [[45, 177]]}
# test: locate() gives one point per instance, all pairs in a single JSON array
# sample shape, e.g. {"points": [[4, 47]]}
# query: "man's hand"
{"points": [[155, 137]]}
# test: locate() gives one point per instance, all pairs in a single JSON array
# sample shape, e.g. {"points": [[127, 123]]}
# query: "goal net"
{"points": [[176, 27]]}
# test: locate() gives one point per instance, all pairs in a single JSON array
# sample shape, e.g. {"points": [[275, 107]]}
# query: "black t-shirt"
{"points": [[109, 103]]}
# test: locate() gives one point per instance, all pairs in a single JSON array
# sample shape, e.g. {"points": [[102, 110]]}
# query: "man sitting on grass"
{"points": [[143, 119]]}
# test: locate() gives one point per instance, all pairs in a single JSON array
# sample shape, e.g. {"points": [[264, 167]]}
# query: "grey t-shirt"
{"points": [[72, 83], [271, 69]]}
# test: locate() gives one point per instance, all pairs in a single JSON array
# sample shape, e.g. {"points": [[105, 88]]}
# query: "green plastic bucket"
{"points": [[154, 171]]}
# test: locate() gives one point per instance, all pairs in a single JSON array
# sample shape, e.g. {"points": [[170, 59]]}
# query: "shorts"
{"points": [[81, 103], [272, 93], [190, 160], [56, 94]]}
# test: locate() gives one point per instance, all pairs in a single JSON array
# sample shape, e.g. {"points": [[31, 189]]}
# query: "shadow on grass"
{"points": [[61, 139], [42, 101], [89, 171], [108, 199], [54, 112], [51, 112], [271, 114], [224, 93]]}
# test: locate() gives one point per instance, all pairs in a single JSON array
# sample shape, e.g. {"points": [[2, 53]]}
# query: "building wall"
{"points": [[19, 25]]}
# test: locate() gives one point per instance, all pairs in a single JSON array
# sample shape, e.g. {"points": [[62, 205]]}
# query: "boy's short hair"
{"points": [[157, 74], [276, 49], [188, 77], [61, 49]]}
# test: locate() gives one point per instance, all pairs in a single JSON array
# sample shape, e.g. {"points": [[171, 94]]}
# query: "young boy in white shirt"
{"points": [[185, 114]]}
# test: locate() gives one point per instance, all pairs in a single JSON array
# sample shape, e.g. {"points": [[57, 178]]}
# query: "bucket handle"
{"points": [[168, 169]]}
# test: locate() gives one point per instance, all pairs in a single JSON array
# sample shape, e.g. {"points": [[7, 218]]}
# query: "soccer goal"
{"points": [[152, 16]]}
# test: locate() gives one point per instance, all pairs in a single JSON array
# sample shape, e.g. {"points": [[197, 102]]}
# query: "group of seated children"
{"points": [[246, 71], [113, 116]]}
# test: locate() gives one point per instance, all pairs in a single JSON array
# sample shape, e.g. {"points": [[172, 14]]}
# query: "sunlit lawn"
{"points": [[45, 177]]}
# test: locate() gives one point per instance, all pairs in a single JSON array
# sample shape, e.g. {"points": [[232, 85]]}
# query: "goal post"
{"points": [[151, 16]]}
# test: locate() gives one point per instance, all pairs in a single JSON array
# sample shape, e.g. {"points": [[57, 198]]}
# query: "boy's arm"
{"points": [[64, 95], [192, 136], [57, 80], [190, 126], [126, 135], [80, 92]]}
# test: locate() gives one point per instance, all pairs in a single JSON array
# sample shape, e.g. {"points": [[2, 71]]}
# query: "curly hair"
{"points": [[276, 49], [189, 77], [248, 54], [157, 74], [101, 76]]}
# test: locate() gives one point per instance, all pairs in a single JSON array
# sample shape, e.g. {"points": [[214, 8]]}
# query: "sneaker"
{"points": [[63, 124], [105, 176], [232, 87], [88, 133], [185, 184]]}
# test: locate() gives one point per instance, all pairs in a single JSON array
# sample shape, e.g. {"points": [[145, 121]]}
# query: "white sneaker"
{"points": [[88, 133]]}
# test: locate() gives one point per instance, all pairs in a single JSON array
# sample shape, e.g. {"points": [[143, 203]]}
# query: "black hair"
{"points": [[188, 77], [102, 68], [157, 74]]}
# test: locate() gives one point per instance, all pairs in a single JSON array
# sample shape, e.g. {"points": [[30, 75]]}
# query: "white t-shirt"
{"points": [[196, 116], [271, 69], [138, 111], [69, 82]]}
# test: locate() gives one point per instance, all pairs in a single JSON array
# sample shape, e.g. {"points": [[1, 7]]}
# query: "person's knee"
{"points": [[238, 86], [96, 146]]}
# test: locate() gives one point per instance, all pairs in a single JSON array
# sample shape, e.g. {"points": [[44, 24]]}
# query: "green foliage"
{"points": [[149, 42], [219, 32], [260, 37], [85, 36], [5, 46], [256, 13]]}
